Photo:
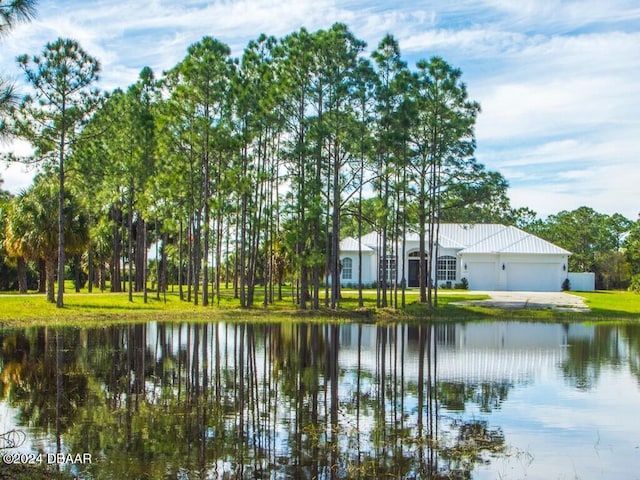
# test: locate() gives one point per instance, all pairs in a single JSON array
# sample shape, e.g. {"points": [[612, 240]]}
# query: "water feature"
{"points": [[453, 400]]}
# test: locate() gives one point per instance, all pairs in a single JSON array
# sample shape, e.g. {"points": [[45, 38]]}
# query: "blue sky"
{"points": [[558, 81]]}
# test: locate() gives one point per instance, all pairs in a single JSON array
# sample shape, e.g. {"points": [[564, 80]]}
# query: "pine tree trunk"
{"points": [[144, 261], [189, 260], [114, 268], [92, 270], [180, 261], [50, 266], [335, 233], [76, 272], [140, 253], [130, 244], [61, 258]]}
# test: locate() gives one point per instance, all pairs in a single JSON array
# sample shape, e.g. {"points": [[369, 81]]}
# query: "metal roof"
{"points": [[350, 244], [514, 240], [473, 238]]}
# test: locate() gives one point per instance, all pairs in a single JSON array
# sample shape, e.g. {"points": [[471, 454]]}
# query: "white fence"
{"points": [[582, 282]]}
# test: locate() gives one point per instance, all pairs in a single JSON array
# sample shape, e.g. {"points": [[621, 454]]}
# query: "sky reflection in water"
{"points": [[480, 400]]}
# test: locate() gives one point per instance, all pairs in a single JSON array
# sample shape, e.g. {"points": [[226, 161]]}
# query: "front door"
{"points": [[414, 272]]}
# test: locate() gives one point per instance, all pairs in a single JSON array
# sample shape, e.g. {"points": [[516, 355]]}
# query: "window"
{"points": [[390, 273], [347, 268], [416, 255], [446, 268]]}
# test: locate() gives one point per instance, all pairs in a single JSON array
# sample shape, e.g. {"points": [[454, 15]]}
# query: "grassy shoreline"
{"points": [[86, 309]]}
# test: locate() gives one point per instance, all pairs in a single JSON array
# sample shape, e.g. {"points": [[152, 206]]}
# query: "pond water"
{"points": [[495, 400]]}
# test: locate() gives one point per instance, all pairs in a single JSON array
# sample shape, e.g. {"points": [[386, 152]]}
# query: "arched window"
{"points": [[446, 268], [347, 268]]}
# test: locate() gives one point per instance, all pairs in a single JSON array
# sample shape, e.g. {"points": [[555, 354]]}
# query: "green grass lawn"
{"points": [[612, 303], [97, 308], [88, 308]]}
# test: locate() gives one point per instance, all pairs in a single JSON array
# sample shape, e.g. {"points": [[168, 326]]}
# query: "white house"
{"points": [[489, 256]]}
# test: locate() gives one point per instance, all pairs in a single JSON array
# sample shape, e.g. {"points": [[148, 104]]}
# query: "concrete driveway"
{"points": [[560, 301]]}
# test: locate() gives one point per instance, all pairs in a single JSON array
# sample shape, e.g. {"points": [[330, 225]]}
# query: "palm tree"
{"points": [[32, 228], [5, 262], [26, 233]]}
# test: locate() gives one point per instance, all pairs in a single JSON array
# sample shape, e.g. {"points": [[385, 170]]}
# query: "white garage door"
{"points": [[533, 277], [482, 276]]}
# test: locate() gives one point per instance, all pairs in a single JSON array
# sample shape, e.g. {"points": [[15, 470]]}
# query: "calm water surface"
{"points": [[496, 400]]}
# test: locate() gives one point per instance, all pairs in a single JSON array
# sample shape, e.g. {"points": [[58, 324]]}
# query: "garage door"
{"points": [[482, 276], [533, 277]]}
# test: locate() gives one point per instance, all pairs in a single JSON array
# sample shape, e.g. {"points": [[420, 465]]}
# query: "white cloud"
{"points": [[607, 188], [600, 171], [582, 83], [15, 176], [557, 80], [479, 40]]}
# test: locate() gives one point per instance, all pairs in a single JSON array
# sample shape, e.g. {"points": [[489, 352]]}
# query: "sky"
{"points": [[558, 80]]}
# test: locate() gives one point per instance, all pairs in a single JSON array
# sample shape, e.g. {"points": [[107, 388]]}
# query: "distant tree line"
{"points": [[245, 173], [607, 245]]}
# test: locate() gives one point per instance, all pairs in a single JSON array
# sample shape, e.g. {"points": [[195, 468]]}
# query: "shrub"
{"points": [[635, 284], [566, 285], [462, 285]]}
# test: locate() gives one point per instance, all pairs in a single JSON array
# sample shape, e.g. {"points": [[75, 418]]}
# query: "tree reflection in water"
{"points": [[307, 401]]}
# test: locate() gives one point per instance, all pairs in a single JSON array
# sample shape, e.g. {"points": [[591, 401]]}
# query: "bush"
{"points": [[462, 285], [566, 285], [635, 284]]}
